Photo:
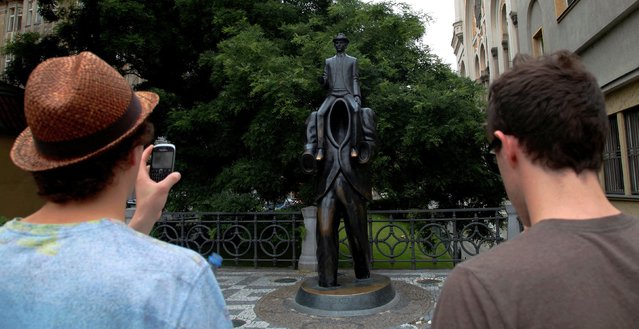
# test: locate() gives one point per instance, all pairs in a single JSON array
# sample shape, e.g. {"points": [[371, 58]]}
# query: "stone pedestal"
{"points": [[353, 297], [412, 305], [308, 258]]}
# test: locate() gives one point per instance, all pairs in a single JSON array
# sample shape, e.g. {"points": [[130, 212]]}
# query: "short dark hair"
{"points": [[556, 109], [85, 180]]}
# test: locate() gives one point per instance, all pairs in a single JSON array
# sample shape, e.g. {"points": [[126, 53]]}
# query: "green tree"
{"points": [[29, 49], [237, 80]]}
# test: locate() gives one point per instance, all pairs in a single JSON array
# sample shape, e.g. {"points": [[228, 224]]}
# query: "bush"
{"points": [[4, 220]]}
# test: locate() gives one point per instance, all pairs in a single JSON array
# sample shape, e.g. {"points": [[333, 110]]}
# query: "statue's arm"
{"points": [[311, 129], [323, 80], [367, 145], [356, 91], [308, 156], [369, 123]]}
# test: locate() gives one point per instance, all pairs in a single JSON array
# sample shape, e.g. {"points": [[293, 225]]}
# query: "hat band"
{"points": [[91, 143]]}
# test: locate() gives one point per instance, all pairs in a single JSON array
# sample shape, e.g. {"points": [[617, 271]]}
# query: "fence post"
{"points": [[308, 258], [128, 214], [513, 222]]}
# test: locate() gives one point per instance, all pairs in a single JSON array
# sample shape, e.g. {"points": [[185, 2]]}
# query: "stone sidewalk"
{"points": [[246, 288]]}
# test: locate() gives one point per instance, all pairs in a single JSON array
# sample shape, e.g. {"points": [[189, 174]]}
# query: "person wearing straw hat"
{"points": [[74, 263]]}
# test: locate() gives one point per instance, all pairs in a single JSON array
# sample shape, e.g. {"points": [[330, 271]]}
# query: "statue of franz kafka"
{"points": [[340, 142]]}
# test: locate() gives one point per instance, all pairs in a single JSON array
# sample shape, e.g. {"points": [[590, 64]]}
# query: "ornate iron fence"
{"points": [[430, 238], [258, 239], [398, 238]]}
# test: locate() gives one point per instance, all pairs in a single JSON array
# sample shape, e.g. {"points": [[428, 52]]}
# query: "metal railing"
{"points": [[398, 238], [258, 239], [430, 238]]}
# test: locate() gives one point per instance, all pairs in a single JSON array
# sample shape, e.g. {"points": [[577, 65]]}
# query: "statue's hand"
{"points": [[358, 100]]}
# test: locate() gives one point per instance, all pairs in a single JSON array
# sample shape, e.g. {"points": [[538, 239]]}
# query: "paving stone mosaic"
{"points": [[243, 288]]}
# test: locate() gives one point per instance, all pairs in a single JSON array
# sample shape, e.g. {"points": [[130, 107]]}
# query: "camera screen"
{"points": [[162, 159]]}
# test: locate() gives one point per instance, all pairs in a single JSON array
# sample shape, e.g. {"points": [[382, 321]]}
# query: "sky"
{"points": [[439, 33]]}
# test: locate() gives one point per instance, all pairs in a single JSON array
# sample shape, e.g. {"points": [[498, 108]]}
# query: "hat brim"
{"points": [[25, 155]]}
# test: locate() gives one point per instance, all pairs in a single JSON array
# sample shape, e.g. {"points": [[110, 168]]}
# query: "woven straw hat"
{"points": [[76, 107]]}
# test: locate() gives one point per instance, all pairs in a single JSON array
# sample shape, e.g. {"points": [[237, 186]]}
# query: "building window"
{"points": [[613, 174], [14, 19], [29, 13], [562, 6], [504, 38], [11, 19], [18, 26], [36, 12], [632, 140], [478, 6], [538, 43]]}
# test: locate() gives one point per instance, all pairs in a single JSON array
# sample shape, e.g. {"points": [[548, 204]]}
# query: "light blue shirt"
{"points": [[102, 274]]}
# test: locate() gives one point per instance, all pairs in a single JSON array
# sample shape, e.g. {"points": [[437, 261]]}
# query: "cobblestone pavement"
{"points": [[244, 287]]}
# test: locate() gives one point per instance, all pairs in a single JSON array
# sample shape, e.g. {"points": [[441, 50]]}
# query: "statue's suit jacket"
{"points": [[341, 70], [337, 158]]}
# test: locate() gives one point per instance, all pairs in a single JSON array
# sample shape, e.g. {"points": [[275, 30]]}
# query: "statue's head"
{"points": [[340, 42]]}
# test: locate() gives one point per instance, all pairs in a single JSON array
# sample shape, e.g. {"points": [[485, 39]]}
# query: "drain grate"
{"points": [[428, 281], [238, 323], [285, 280]]}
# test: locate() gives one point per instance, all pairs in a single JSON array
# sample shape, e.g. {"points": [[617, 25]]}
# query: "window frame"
{"points": [[631, 122], [29, 20], [538, 43], [36, 10], [11, 18], [612, 160], [562, 7]]}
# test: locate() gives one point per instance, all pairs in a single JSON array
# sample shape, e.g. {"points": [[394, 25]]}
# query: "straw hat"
{"points": [[76, 107]]}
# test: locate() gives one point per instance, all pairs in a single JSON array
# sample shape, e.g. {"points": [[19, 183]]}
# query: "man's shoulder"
{"points": [[510, 256], [538, 249], [492, 258], [150, 252]]}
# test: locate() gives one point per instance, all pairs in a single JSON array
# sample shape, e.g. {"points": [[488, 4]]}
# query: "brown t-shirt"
{"points": [[558, 274]]}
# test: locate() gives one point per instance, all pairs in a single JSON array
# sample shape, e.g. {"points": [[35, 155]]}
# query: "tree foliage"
{"points": [[237, 79]]}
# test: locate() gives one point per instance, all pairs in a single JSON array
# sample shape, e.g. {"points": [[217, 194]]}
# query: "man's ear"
{"points": [[509, 147], [135, 156]]}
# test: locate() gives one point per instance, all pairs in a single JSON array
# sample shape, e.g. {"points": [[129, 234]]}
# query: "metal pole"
{"points": [[513, 221]]}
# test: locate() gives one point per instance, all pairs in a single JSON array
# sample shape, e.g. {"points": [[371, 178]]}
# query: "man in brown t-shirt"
{"points": [[577, 263]]}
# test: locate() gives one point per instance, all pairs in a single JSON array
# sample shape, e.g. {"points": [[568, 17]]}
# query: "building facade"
{"points": [[19, 17], [18, 194], [485, 37], [489, 33]]}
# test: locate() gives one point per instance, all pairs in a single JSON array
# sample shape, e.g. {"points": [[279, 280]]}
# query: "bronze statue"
{"points": [[340, 142]]}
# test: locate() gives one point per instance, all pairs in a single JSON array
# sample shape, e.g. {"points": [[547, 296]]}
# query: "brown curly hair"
{"points": [[84, 180]]}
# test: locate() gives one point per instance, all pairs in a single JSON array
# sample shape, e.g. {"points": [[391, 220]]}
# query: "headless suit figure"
{"points": [[343, 187]]}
